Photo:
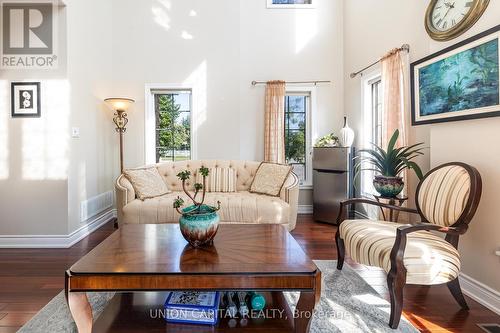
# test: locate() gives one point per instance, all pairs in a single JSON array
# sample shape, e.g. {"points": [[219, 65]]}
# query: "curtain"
{"points": [[274, 129], [395, 108], [395, 84]]}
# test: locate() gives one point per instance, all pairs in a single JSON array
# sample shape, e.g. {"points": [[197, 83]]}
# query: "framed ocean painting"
{"points": [[284, 4], [461, 82]]}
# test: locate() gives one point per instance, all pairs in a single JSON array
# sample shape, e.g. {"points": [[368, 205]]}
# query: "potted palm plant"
{"points": [[389, 164], [199, 222]]}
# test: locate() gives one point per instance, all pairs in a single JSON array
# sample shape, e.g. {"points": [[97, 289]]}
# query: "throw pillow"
{"points": [[147, 183], [219, 180], [270, 178]]}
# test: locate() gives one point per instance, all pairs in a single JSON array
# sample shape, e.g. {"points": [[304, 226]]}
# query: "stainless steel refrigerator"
{"points": [[332, 181]]}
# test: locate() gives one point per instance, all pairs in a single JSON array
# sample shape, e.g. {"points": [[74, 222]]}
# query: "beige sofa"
{"points": [[236, 207]]}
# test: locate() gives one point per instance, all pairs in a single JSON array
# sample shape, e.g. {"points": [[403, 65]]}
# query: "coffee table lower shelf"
{"points": [[139, 312]]}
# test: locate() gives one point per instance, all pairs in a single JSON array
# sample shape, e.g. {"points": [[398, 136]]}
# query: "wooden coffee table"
{"points": [[139, 259]]}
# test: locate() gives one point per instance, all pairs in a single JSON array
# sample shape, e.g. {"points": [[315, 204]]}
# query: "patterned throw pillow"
{"points": [[147, 183], [270, 178], [219, 180]]}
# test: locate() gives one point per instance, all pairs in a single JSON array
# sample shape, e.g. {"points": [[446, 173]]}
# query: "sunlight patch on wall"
{"points": [[306, 28], [186, 35], [4, 130], [45, 140], [198, 81], [160, 13]]}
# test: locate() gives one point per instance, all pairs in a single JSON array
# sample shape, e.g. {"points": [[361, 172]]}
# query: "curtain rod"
{"points": [[254, 83], [404, 47]]}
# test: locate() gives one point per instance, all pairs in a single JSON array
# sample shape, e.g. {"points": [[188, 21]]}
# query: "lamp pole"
{"points": [[120, 119], [120, 106]]}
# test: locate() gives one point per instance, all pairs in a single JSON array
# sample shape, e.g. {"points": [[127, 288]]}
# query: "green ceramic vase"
{"points": [[199, 227], [388, 187]]}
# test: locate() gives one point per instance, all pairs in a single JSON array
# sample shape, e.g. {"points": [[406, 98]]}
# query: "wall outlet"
{"points": [[75, 132]]}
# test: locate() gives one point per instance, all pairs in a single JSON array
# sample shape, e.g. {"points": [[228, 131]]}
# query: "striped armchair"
{"points": [[446, 200]]}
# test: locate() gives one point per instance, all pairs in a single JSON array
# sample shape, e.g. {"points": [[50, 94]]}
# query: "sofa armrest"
{"points": [[290, 194], [124, 194]]}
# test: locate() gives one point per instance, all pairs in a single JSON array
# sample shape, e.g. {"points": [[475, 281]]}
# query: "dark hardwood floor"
{"points": [[30, 278]]}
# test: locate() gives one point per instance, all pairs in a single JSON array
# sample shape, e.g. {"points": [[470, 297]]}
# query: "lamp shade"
{"points": [[119, 104]]}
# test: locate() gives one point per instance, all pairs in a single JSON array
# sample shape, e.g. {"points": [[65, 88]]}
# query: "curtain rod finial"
{"points": [[254, 83], [353, 75]]}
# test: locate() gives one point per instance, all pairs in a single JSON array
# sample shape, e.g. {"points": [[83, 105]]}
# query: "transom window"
{"points": [[173, 125], [297, 143]]}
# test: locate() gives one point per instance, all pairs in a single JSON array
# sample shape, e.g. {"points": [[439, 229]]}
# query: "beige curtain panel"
{"points": [[393, 83], [396, 109], [274, 129]]}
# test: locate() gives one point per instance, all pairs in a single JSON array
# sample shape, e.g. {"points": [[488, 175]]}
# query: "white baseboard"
{"points": [[56, 241], [305, 209], [480, 292]]}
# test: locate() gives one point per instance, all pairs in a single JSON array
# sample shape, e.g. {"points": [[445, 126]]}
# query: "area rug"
{"points": [[348, 304]]}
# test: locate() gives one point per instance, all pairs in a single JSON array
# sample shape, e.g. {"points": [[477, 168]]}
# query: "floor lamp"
{"points": [[120, 106]]}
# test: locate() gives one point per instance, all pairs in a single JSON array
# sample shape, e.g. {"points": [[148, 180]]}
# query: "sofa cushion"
{"points": [[270, 178], [147, 182], [245, 172], [239, 207], [219, 180]]}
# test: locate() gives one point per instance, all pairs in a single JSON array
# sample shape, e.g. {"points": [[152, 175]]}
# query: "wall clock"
{"points": [[447, 19]]}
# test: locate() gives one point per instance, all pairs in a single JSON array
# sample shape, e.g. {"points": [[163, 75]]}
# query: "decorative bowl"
{"points": [[388, 187], [199, 225]]}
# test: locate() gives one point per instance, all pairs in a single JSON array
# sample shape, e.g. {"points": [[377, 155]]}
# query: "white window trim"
{"points": [[310, 126], [149, 119], [367, 113]]}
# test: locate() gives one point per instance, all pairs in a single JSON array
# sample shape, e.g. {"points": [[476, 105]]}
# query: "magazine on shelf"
{"points": [[192, 307]]}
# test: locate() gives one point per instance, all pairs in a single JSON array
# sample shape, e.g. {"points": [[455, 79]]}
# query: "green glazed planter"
{"points": [[388, 187], [199, 228]]}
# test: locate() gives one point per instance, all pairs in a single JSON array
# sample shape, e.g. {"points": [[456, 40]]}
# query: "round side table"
{"points": [[397, 201]]}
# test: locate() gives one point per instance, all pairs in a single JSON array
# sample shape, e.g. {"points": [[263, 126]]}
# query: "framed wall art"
{"points": [[458, 83], [291, 3], [25, 99]]}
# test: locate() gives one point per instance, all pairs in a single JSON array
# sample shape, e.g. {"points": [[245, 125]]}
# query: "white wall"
{"points": [[233, 43], [372, 27], [44, 173]]}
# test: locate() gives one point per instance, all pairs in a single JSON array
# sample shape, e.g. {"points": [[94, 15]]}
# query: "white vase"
{"points": [[346, 135]]}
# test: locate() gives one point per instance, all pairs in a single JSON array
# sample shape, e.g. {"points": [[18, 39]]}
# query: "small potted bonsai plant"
{"points": [[388, 165], [199, 222]]}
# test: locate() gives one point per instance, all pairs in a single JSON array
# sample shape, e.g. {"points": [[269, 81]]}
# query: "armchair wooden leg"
{"points": [[340, 250], [456, 291], [396, 283]]}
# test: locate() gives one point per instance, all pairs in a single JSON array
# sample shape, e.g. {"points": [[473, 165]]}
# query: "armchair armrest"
{"points": [[407, 229], [399, 247], [345, 203]]}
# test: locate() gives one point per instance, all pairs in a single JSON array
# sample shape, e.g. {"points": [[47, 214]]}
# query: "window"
{"points": [[373, 125], [297, 134], [173, 125], [376, 107]]}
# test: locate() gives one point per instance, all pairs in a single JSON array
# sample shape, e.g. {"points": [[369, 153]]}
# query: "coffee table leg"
{"points": [[304, 311], [82, 312]]}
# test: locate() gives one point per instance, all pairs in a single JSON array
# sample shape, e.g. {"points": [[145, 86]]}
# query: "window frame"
{"points": [[150, 118], [368, 135], [310, 109]]}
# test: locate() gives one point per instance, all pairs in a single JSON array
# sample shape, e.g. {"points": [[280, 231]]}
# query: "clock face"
{"points": [[447, 19], [447, 14]]}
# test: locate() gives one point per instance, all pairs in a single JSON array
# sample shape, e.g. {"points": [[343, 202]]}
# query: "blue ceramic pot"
{"points": [[388, 187], [199, 227]]}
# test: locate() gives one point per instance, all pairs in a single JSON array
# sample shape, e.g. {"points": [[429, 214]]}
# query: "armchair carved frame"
{"points": [[396, 277]]}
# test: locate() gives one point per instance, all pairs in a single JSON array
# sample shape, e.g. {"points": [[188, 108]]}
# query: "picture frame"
{"points": [[25, 100], [461, 82], [291, 4]]}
